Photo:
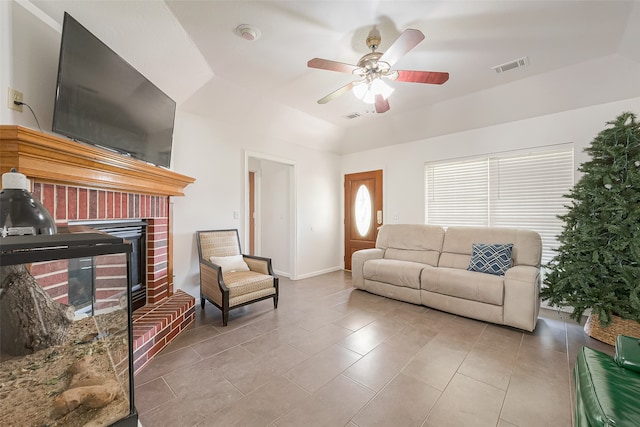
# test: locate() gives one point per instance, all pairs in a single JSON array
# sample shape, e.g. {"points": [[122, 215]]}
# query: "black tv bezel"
{"points": [[84, 139]]}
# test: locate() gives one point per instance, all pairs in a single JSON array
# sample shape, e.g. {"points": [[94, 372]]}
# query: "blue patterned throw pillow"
{"points": [[491, 258]]}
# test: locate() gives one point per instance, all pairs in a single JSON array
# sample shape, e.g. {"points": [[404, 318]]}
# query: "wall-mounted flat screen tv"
{"points": [[102, 100]]}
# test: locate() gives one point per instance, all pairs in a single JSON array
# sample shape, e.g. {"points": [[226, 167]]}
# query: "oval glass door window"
{"points": [[363, 210]]}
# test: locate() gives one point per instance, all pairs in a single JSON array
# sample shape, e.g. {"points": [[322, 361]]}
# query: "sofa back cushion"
{"points": [[458, 242], [411, 242]]}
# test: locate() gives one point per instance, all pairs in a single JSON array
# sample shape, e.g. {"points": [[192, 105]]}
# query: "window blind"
{"points": [[520, 191]]}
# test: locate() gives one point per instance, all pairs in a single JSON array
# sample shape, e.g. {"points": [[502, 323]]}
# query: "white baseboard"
{"points": [[317, 273]]}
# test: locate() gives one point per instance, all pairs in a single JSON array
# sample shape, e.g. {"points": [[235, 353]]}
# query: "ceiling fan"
{"points": [[375, 66]]}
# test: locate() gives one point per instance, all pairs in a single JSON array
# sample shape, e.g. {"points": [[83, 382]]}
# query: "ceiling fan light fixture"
{"points": [[379, 87], [366, 92]]}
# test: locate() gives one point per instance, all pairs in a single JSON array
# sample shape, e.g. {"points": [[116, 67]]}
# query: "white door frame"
{"points": [[293, 250]]}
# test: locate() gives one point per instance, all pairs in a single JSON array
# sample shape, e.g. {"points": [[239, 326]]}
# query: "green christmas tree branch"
{"points": [[597, 265]]}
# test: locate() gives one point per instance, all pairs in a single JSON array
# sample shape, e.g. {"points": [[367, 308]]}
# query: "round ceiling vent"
{"points": [[248, 32]]}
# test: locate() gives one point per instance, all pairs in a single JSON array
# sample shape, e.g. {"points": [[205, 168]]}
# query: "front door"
{"points": [[362, 212]]}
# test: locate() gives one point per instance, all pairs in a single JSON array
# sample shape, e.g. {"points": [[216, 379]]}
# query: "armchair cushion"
{"points": [[230, 263], [247, 283]]}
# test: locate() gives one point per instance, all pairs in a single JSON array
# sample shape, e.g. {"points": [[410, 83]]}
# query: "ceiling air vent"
{"points": [[352, 116], [521, 62]]}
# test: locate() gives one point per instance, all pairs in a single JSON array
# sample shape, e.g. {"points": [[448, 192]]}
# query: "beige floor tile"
{"points": [[503, 423], [271, 340], [467, 402], [166, 362], [192, 408], [542, 362], [313, 342], [152, 395], [490, 365], [196, 378], [528, 395], [436, 363], [254, 373], [367, 338], [318, 370], [410, 339], [192, 335], [319, 318], [260, 407], [356, 320], [500, 337], [549, 333], [332, 405], [378, 367], [226, 340], [404, 402]]}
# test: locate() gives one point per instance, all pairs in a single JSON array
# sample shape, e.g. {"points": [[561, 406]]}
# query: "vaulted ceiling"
{"points": [[580, 53]]}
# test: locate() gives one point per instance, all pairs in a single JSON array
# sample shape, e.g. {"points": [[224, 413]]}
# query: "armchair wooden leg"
{"points": [[202, 301], [275, 301], [225, 318]]}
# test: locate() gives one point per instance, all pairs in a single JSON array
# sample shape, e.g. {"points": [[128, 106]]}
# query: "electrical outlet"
{"points": [[14, 95]]}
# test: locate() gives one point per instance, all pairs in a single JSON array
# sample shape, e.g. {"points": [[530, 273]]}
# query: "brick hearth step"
{"points": [[156, 325]]}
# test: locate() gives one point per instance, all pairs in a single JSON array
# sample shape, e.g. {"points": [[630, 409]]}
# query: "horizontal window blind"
{"points": [[456, 193], [520, 191]]}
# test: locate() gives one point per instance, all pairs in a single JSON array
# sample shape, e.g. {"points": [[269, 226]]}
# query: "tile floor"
{"points": [[331, 355]]}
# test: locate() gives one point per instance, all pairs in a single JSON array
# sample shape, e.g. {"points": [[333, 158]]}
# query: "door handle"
{"points": [[379, 217]]}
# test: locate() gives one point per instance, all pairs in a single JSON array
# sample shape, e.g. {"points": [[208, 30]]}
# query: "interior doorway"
{"points": [[362, 212], [270, 211]]}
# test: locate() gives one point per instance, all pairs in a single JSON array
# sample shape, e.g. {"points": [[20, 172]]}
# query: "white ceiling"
{"points": [[581, 53]]}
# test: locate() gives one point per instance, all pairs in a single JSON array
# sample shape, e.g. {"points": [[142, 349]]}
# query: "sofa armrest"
{"points": [[357, 264], [522, 297]]}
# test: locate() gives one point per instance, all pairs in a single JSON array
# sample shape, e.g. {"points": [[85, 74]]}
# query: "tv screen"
{"points": [[102, 100]]}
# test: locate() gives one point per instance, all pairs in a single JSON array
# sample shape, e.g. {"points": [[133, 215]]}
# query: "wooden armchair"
{"points": [[229, 279]]}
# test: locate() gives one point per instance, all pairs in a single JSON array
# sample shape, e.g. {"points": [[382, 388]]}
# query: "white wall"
{"points": [[29, 59], [213, 153], [403, 165]]}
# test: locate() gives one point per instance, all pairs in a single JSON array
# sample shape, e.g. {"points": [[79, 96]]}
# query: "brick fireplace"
{"points": [[78, 182]]}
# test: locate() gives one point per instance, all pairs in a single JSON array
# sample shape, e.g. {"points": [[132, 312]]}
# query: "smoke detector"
{"points": [[248, 32]]}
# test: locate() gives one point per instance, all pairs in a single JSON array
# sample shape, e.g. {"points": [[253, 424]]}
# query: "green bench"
{"points": [[608, 388]]}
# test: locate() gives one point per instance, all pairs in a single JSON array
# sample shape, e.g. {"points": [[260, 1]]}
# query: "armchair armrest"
{"points": [[357, 264], [259, 264], [211, 282]]}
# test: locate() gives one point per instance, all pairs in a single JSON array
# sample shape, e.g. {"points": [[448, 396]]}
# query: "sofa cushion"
{"points": [[420, 243], [395, 272], [490, 258], [470, 285], [458, 241]]}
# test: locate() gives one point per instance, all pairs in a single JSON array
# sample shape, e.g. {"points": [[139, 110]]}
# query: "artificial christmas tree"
{"points": [[597, 265]]}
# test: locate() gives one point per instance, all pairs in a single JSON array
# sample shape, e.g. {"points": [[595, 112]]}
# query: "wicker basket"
{"points": [[618, 326]]}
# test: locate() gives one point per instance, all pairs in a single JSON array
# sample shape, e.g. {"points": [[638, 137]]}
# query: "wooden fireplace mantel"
{"points": [[59, 160]]}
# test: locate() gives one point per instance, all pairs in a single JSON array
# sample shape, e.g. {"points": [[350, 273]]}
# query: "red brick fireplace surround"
{"points": [[78, 182]]}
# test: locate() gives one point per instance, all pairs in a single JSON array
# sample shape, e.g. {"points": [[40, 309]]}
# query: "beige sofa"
{"points": [[427, 265]]}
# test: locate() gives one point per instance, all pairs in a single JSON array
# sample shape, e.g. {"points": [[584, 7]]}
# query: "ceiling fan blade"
{"points": [[326, 64], [382, 105], [336, 93], [431, 77], [403, 44]]}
